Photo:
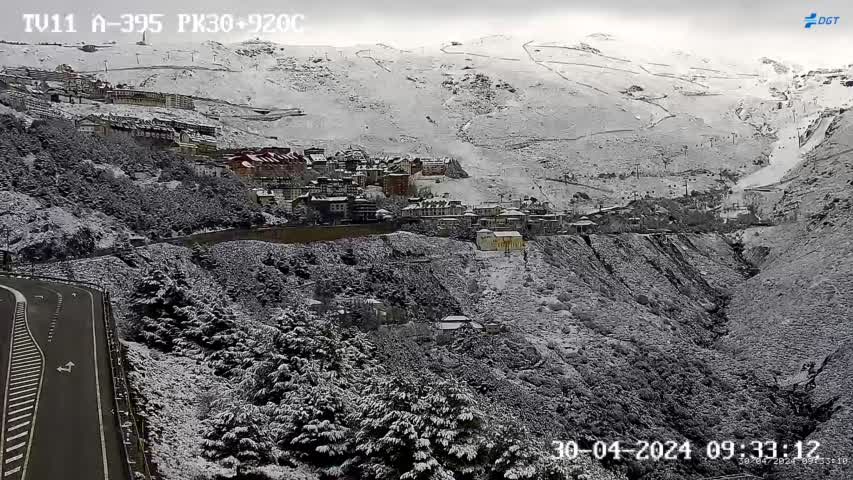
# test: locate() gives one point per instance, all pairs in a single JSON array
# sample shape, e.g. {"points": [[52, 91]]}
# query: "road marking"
{"points": [[15, 447], [19, 397], [22, 382], [18, 435], [22, 367], [22, 403], [38, 396], [25, 363], [20, 425], [17, 394], [66, 368], [19, 417], [14, 395], [19, 301], [20, 387], [27, 358], [28, 363], [55, 315], [27, 354], [13, 412], [24, 378], [25, 368], [98, 386], [16, 457], [21, 371]]}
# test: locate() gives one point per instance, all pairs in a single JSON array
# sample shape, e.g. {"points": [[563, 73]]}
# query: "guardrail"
{"points": [[137, 461], [132, 442]]}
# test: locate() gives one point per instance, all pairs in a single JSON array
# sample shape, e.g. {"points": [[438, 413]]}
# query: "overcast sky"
{"points": [[744, 28]]}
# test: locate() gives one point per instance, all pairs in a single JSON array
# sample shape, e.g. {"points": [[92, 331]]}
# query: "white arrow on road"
{"points": [[66, 368]]}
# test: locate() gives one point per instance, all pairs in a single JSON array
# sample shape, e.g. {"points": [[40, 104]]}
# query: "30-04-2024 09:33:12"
{"points": [[686, 450]]}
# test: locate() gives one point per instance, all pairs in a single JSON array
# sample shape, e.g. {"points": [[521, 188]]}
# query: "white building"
{"points": [[489, 240], [453, 323], [435, 207]]}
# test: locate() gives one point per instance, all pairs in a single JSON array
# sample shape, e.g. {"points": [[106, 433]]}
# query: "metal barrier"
{"points": [[132, 443], [137, 463]]}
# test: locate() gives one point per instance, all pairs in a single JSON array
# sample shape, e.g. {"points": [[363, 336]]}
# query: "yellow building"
{"points": [[499, 241]]}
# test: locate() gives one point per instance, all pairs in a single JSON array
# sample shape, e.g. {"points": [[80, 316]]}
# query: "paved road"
{"points": [[57, 417]]}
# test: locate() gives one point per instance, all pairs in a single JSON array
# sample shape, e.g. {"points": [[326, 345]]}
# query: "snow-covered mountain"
{"points": [[523, 115]]}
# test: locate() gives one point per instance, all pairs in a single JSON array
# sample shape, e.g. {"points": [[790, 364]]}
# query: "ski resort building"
{"points": [[396, 184], [434, 207], [267, 165], [431, 166], [149, 99], [489, 240]]}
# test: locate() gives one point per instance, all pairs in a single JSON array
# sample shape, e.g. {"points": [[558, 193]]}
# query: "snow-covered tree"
{"points": [[201, 256], [287, 358], [304, 343], [313, 426], [415, 431], [235, 359], [154, 301], [233, 438], [389, 438], [512, 455], [454, 427], [170, 318], [213, 327]]}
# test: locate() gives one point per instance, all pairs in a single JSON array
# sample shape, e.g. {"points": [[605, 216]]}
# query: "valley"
{"points": [[394, 354]]}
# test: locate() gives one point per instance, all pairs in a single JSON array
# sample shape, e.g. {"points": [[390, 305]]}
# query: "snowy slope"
{"points": [[541, 109]]}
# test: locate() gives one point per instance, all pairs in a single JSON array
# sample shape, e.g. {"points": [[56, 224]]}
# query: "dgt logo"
{"points": [[814, 19]]}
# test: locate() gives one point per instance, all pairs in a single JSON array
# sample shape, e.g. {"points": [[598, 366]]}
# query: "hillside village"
{"points": [[632, 248], [308, 185]]}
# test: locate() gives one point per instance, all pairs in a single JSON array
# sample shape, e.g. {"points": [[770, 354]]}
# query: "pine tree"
{"points": [[389, 439], [455, 423], [154, 301], [303, 343], [169, 318], [201, 256], [511, 456], [314, 426], [233, 438], [151, 291], [233, 360], [288, 358], [412, 430]]}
